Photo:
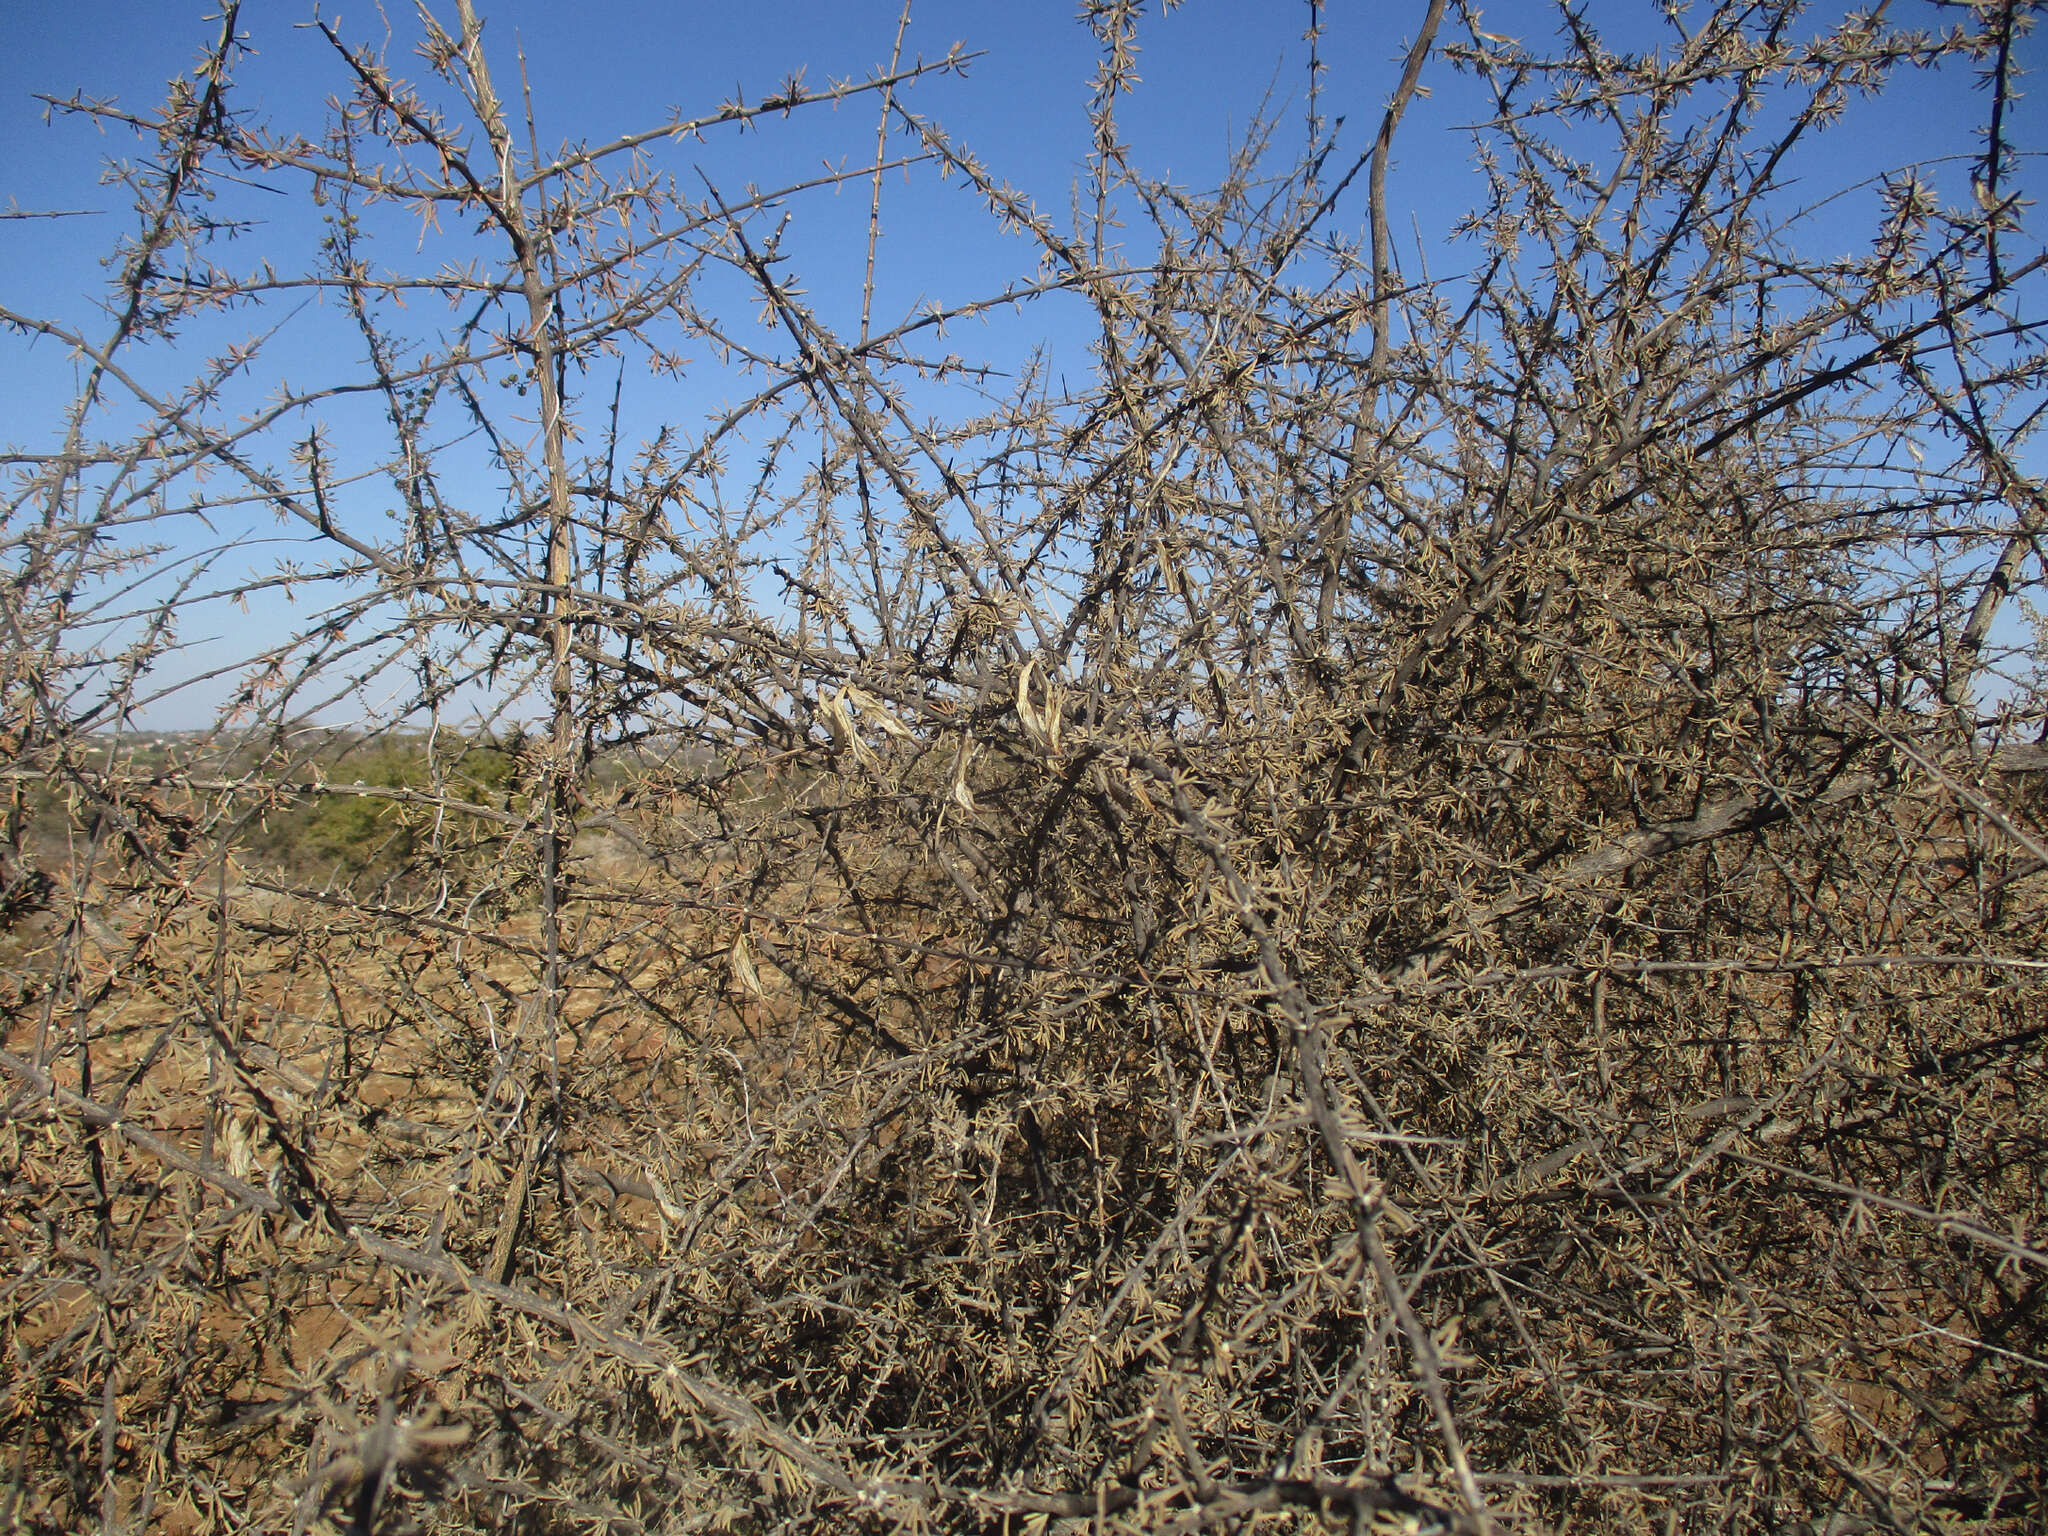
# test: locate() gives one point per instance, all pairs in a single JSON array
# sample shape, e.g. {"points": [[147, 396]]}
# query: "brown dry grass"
{"points": [[1614, 1193]]}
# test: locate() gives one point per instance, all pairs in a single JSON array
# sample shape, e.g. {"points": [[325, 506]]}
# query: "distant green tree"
{"points": [[352, 835]]}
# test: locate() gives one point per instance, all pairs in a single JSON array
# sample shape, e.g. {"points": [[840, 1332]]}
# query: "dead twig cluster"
{"points": [[1413, 907]]}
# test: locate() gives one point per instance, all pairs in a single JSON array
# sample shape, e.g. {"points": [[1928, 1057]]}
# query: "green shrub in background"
{"points": [[353, 837]]}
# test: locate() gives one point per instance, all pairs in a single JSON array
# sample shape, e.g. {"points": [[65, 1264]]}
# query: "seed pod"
{"points": [[741, 963]]}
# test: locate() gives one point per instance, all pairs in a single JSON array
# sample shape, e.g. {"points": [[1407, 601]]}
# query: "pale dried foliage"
{"points": [[1416, 906]]}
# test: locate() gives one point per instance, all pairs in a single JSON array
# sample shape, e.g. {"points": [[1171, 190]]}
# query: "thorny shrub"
{"points": [[1417, 904]]}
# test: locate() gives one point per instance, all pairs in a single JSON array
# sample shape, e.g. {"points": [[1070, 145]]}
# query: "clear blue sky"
{"points": [[600, 70], [604, 69], [597, 71]]}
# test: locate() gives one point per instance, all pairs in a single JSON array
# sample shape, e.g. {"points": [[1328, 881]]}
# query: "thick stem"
{"points": [[558, 781]]}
